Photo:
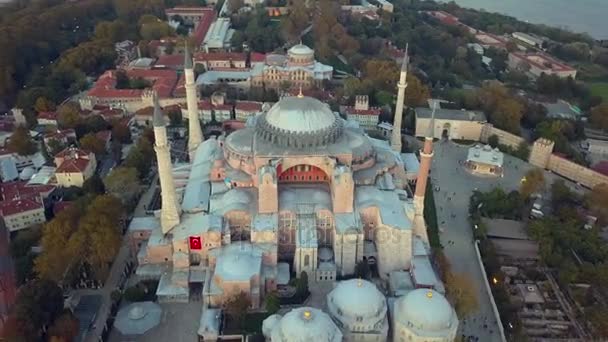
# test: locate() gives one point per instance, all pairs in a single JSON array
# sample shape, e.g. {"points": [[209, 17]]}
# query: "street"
{"points": [[116, 274], [452, 202]]}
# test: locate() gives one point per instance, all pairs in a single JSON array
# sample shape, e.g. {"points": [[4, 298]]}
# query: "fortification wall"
{"points": [[576, 172], [504, 137]]}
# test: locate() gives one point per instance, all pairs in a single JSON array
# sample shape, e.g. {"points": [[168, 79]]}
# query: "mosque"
{"points": [[299, 189]]}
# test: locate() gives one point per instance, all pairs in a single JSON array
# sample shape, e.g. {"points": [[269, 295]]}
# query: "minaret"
{"points": [[195, 135], [170, 209], [396, 137], [426, 157]]}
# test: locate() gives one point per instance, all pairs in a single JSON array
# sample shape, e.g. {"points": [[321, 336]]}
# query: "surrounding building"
{"points": [[488, 40], [424, 315], [246, 109], [218, 36], [22, 205], [537, 63], [301, 324], [298, 69], [529, 39], [360, 309], [47, 118], [450, 123], [484, 160], [221, 60], [215, 108], [74, 166], [367, 117], [597, 146], [104, 91]]}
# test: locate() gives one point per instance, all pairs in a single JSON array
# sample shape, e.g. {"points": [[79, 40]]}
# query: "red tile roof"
{"points": [[60, 134], [370, 111], [13, 207], [548, 62], [71, 151], [20, 189], [601, 167], [163, 82], [248, 106], [207, 105], [73, 165], [47, 115], [257, 57], [220, 56], [203, 26], [186, 10], [180, 87]]}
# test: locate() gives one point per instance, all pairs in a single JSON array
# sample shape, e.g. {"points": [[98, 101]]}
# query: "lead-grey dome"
{"points": [[304, 325], [357, 297], [299, 121], [425, 310]]}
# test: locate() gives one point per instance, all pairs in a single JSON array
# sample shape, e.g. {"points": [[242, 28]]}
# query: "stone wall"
{"points": [[576, 172], [542, 156], [504, 137]]}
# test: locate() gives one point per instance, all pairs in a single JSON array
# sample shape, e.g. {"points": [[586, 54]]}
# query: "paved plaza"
{"points": [[452, 201]]}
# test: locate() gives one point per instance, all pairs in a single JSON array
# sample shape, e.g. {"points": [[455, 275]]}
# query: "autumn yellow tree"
{"points": [[597, 201], [54, 260], [462, 293], [90, 142], [533, 181]]}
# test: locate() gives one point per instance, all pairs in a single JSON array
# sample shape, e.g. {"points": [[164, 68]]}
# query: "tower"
{"points": [[195, 135], [170, 209], [426, 157], [396, 137]]}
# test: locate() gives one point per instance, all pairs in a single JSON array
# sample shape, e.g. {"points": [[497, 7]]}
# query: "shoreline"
{"points": [[563, 14]]}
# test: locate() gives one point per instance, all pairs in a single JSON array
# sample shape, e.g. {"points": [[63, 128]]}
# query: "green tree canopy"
{"points": [[90, 142], [21, 142], [123, 182], [533, 181]]}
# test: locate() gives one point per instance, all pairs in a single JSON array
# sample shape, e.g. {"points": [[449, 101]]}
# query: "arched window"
{"points": [[306, 260]]}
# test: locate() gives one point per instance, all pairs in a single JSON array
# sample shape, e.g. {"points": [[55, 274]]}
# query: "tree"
{"points": [[175, 117], [121, 133], [599, 116], [493, 140], [151, 28], [417, 93], [21, 142], [272, 304], [113, 31], [64, 328], [597, 201], [54, 146], [55, 258], [533, 181], [68, 115], [596, 315], [302, 284], [297, 20], [44, 105], [235, 5], [237, 306], [140, 157], [99, 234], [462, 293], [362, 270], [37, 305], [94, 185], [90, 142], [123, 183]]}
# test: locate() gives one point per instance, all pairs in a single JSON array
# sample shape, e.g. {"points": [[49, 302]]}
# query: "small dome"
{"points": [[269, 323], [136, 312], [326, 254], [426, 310], [300, 114], [306, 324], [356, 297], [300, 49]]}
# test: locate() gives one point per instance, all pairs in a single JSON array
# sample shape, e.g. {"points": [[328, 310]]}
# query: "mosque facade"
{"points": [[299, 189]]}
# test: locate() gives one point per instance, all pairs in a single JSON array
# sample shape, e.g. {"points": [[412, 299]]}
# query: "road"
{"points": [[452, 202], [116, 277]]}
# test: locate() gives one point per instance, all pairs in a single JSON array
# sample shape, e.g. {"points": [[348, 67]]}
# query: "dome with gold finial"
{"points": [[302, 325]]}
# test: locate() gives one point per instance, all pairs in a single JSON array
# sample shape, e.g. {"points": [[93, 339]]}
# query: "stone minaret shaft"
{"points": [[170, 209], [426, 157], [396, 137], [195, 135]]}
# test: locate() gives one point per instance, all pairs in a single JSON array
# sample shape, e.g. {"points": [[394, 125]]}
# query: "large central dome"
{"points": [[300, 122], [300, 114]]}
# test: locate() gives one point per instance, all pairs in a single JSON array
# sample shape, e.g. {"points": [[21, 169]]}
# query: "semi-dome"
{"points": [[357, 297], [300, 49], [299, 121], [426, 310], [305, 324], [300, 114]]}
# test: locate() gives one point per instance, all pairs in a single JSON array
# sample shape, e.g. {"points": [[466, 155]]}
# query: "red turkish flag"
{"points": [[195, 242]]}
